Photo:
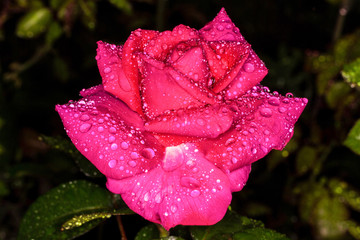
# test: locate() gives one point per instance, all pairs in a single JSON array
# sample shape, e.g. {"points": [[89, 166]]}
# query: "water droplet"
{"points": [[274, 101], [266, 112], [195, 193], [84, 117], [282, 109], [253, 150], [146, 196], [85, 127], [112, 163], [173, 208], [229, 141], [107, 70], [289, 95], [111, 139], [266, 132], [112, 130], [189, 182], [249, 67], [134, 155], [132, 163], [158, 198], [234, 160], [124, 145], [174, 157], [114, 146], [148, 153], [100, 129]]}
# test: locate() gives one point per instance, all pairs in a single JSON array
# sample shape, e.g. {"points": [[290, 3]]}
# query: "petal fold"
{"points": [[203, 122]]}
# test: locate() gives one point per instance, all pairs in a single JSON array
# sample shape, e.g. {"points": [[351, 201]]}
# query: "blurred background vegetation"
{"points": [[310, 190]]}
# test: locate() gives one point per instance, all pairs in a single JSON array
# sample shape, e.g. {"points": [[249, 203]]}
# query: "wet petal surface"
{"points": [[186, 189], [110, 134]]}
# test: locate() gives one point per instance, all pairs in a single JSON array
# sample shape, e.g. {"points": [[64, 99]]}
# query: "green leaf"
{"points": [[259, 234], [67, 147], [123, 5], [353, 139], [53, 33], [351, 72], [337, 94], [88, 9], [347, 194], [46, 216], [233, 226], [33, 23], [147, 233]]}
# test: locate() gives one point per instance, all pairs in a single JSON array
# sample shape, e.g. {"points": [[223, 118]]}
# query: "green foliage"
{"points": [[34, 23], [351, 72], [78, 202], [147, 233], [67, 147], [233, 226], [353, 139]]}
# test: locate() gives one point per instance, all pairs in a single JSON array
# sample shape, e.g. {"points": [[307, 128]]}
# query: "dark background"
{"points": [[305, 45]]}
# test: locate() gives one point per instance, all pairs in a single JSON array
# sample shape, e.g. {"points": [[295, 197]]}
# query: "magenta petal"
{"points": [[114, 80], [252, 72], [221, 28], [239, 177], [110, 134], [263, 122], [208, 122], [186, 189]]}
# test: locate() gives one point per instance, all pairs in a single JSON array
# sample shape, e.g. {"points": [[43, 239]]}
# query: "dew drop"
{"points": [[146, 196], [148, 153], [114, 146], [112, 163], [282, 109], [158, 198], [112, 130], [107, 70], [111, 139], [132, 163], [134, 155], [195, 193], [229, 141], [124, 145], [249, 67], [266, 112], [289, 95], [100, 129], [274, 101], [173, 208], [84, 117], [189, 182], [85, 127]]}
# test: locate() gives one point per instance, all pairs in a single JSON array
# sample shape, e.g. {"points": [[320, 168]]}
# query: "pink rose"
{"points": [[179, 119]]}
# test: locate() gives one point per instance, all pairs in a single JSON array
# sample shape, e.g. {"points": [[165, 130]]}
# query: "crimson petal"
{"points": [[205, 122], [110, 134], [263, 122], [186, 189], [113, 76]]}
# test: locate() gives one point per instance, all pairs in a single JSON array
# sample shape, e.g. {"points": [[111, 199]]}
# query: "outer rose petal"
{"points": [[206, 122], [239, 177], [113, 76], [264, 122], [186, 189], [109, 134]]}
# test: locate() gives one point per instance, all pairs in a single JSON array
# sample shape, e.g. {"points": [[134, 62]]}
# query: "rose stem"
{"points": [[121, 227]]}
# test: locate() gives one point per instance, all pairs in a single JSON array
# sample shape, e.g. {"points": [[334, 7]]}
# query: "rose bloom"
{"points": [[178, 120]]}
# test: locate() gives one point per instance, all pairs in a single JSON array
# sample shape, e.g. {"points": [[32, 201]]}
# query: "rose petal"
{"points": [[186, 189], [161, 91], [223, 56], [109, 134], [238, 178], [192, 64], [136, 42], [252, 72], [206, 122], [263, 122], [160, 47], [221, 28], [114, 79]]}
